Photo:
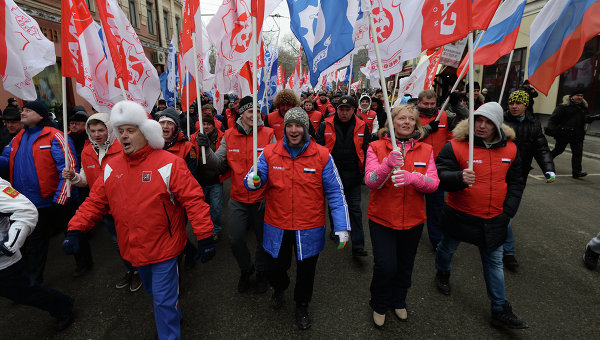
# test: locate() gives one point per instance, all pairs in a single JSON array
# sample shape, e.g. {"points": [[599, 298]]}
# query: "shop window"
{"points": [[493, 76], [48, 86], [586, 74]]}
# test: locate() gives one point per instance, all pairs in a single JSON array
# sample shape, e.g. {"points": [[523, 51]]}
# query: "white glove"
{"points": [[16, 239], [253, 183], [344, 235]]}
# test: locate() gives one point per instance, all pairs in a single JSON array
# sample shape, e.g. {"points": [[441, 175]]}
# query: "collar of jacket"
{"points": [[138, 156], [302, 150]]}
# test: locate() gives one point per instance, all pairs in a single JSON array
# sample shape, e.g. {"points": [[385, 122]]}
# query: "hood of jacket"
{"points": [[461, 132], [104, 118], [567, 101]]}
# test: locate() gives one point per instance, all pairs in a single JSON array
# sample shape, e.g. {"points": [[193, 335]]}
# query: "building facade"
{"points": [[154, 22]]}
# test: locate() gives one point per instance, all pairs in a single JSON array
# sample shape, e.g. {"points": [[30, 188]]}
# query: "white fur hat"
{"points": [[131, 113]]}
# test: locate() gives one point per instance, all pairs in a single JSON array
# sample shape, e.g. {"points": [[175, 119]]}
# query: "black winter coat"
{"points": [[570, 118], [487, 233], [531, 142]]}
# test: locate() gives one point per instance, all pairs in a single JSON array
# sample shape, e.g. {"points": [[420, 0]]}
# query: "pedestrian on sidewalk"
{"points": [[149, 191], [567, 126], [398, 180], [531, 143], [298, 175], [480, 202]]}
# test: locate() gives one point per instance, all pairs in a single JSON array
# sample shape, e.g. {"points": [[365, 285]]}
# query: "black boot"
{"points": [[244, 282], [590, 259], [579, 174], [510, 262], [442, 282], [262, 285], [506, 318], [277, 300], [302, 316]]}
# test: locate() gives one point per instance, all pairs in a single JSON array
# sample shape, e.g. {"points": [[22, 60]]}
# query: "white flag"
{"points": [[24, 51]]}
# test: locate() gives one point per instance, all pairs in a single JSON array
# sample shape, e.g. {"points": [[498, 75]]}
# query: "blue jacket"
{"points": [[311, 241], [24, 172]]}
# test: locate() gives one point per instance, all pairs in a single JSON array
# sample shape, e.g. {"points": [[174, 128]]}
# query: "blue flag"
{"points": [[170, 78], [268, 80], [324, 28]]}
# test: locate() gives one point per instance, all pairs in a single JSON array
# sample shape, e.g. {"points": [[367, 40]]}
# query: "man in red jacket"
{"points": [[149, 191]]}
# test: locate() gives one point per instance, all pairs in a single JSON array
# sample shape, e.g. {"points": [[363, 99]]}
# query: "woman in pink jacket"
{"points": [[398, 180]]}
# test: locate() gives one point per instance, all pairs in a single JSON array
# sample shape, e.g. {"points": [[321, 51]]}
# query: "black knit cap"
{"points": [[79, 116], [11, 113], [577, 90], [170, 113], [39, 107], [245, 104]]}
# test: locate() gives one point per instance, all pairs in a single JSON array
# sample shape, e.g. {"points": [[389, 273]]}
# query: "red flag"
{"points": [[116, 49], [449, 22], [483, 12]]}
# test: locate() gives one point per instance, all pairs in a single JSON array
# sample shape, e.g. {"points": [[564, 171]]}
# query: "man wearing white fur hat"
{"points": [[148, 191]]}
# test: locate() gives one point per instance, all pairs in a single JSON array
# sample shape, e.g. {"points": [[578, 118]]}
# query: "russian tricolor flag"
{"points": [[557, 37], [501, 36]]}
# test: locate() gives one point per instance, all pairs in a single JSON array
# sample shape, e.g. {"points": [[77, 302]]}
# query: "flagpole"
{"points": [[66, 134], [122, 89], [471, 102], [382, 80], [462, 73], [351, 75], [201, 127], [395, 86], [254, 42], [187, 99], [505, 77]]}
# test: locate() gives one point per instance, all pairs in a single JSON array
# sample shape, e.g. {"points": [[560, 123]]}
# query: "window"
{"points": [[493, 75], [177, 26], [150, 15], [167, 30], [133, 17]]}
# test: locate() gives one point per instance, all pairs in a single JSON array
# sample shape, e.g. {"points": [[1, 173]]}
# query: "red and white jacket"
{"points": [[149, 194]]}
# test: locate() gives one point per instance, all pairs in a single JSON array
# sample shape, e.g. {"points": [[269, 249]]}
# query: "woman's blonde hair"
{"points": [[396, 111]]}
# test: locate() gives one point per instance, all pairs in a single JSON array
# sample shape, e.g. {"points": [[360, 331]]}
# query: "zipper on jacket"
{"points": [[168, 220], [491, 181]]}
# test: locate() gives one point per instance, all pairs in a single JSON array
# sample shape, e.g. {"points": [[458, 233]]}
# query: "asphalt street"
{"points": [[552, 290]]}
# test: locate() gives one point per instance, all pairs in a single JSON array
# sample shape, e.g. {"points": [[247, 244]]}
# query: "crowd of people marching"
{"points": [[314, 154]]}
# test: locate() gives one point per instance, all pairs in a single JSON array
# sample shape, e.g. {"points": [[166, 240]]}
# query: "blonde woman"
{"points": [[398, 180]]}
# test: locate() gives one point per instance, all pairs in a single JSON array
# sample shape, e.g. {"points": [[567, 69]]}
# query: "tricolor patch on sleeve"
{"points": [[309, 171], [42, 147], [361, 135], [506, 160], [420, 164], [11, 192], [441, 126]]}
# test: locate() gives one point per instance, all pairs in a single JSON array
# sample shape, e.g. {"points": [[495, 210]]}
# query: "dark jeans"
{"points": [[353, 197], [434, 203], [394, 254], [305, 270], [35, 249], [83, 258], [576, 151], [244, 216], [18, 287]]}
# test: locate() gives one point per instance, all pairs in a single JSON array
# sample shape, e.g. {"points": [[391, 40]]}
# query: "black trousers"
{"points": [[394, 254], [305, 270], [18, 287], [576, 151]]}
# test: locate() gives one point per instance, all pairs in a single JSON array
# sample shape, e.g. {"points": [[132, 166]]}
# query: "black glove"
{"points": [[202, 139], [71, 243], [434, 125], [206, 249]]}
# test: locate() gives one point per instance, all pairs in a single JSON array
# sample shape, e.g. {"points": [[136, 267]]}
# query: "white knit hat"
{"points": [[131, 113], [492, 111]]}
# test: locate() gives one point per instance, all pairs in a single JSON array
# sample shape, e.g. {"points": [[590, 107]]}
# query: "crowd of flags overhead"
{"points": [[108, 63]]}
